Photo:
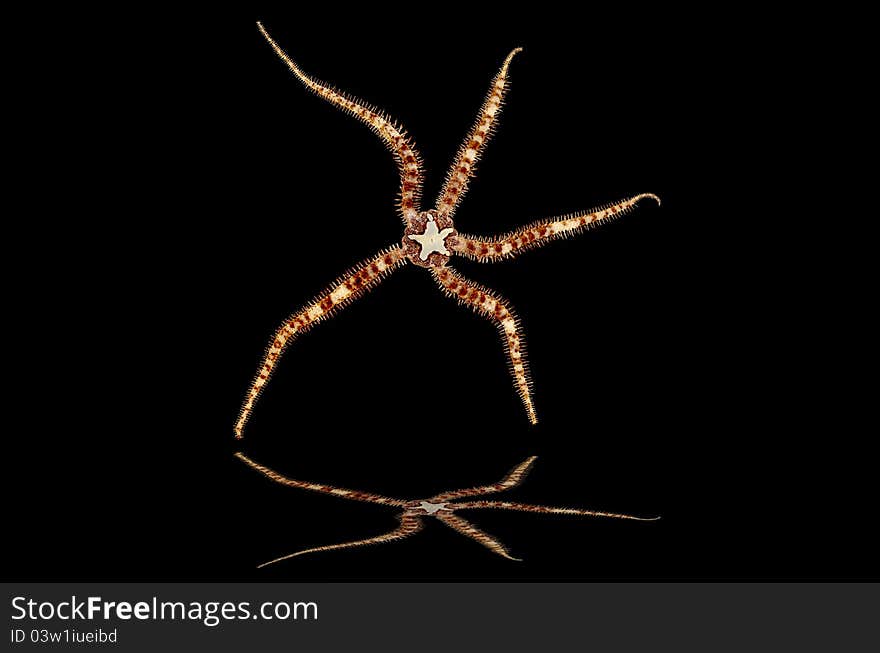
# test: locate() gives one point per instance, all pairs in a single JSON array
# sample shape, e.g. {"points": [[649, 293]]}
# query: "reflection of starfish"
{"points": [[429, 237], [440, 506]]}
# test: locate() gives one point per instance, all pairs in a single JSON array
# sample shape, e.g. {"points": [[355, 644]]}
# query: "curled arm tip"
{"points": [[509, 58]]}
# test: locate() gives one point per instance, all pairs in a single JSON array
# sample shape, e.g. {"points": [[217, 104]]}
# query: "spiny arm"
{"points": [[466, 528], [351, 285], [541, 232], [492, 306], [463, 167], [354, 495], [408, 160], [526, 507], [513, 478], [408, 526]]}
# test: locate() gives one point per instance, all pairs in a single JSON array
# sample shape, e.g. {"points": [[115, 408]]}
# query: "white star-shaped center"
{"points": [[431, 508], [432, 240]]}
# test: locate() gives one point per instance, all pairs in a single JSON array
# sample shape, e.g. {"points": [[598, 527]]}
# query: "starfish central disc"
{"points": [[431, 508], [432, 240]]}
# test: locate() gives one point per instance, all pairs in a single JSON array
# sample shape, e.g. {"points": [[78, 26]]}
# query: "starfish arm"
{"points": [[351, 285], [466, 528], [342, 493], [513, 478], [526, 507], [492, 306], [541, 232], [395, 138], [408, 526], [469, 152]]}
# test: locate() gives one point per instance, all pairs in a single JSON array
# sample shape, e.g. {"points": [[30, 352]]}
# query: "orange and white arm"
{"points": [[526, 507], [542, 232], [469, 152], [351, 285], [494, 307], [395, 138], [513, 478], [408, 526], [342, 493], [464, 527]]}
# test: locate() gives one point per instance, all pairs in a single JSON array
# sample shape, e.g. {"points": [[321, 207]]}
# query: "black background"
{"points": [[226, 195]]}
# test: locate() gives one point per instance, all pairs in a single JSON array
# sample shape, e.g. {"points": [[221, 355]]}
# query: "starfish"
{"points": [[430, 237], [441, 506]]}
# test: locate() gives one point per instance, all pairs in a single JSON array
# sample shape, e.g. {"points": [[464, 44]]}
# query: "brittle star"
{"points": [[441, 506], [430, 237]]}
